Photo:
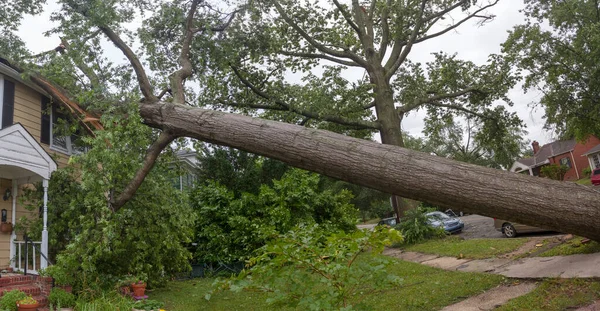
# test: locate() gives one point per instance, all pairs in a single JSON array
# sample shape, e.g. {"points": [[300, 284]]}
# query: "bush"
{"points": [[60, 298], [308, 269], [554, 171], [587, 172], [9, 300], [108, 302], [230, 229], [416, 228]]}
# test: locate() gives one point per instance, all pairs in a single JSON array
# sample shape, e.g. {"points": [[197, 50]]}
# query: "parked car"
{"points": [[390, 221], [511, 229], [595, 178], [450, 224]]}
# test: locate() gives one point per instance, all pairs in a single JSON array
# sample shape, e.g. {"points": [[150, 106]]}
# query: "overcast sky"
{"points": [[469, 42]]}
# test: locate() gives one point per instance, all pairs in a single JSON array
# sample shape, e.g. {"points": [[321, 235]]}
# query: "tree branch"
{"points": [[437, 98], [385, 30], [460, 108], [348, 18], [394, 62], [314, 43], [454, 26], [140, 73], [163, 140], [178, 77], [358, 124], [445, 11], [321, 56]]}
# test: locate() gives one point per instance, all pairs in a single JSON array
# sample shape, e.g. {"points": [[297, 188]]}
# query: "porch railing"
{"points": [[28, 256]]}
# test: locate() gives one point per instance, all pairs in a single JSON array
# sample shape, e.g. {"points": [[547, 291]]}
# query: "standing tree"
{"points": [[85, 76], [561, 62], [371, 38]]}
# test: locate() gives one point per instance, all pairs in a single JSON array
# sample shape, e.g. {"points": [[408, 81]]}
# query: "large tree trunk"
{"points": [[561, 206], [391, 130]]}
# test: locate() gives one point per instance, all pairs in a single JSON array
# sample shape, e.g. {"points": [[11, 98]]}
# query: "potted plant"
{"points": [[6, 227], [138, 287], [27, 304], [9, 300]]}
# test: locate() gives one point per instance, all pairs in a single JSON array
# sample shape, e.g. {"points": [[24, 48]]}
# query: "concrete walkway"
{"points": [[492, 298], [573, 266]]}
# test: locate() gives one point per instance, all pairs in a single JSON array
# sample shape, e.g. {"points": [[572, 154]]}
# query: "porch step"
{"points": [[36, 286]]}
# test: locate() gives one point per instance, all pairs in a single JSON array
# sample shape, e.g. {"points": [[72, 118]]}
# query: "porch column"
{"points": [[43, 261], [13, 235]]}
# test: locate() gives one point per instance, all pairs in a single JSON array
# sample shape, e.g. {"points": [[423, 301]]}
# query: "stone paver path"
{"points": [[581, 265], [492, 298]]}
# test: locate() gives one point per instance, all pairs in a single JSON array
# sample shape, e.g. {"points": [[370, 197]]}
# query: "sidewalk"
{"points": [[573, 266]]}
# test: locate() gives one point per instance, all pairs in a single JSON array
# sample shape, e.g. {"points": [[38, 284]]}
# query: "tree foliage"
{"points": [[230, 229], [561, 61], [146, 238], [237, 170], [307, 268]]}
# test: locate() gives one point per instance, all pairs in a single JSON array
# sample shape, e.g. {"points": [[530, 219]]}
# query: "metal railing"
{"points": [[28, 255]]}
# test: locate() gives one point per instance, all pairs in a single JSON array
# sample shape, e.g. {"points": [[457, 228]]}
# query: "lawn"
{"points": [[455, 246], [584, 181], [557, 294], [572, 247], [424, 288]]}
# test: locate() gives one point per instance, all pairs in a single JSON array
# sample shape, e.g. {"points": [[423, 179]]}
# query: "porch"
{"points": [[23, 162]]}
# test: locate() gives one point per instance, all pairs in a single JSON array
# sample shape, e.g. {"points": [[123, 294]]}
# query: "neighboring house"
{"points": [[593, 157], [188, 163], [29, 152], [569, 153]]}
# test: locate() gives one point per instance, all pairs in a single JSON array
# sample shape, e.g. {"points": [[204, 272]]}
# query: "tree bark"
{"points": [[561, 206]]}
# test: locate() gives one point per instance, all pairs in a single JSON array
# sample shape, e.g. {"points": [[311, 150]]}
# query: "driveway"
{"points": [[478, 227]]}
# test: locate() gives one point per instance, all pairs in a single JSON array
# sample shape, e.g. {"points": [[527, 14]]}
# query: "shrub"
{"points": [[59, 297], [9, 300], [307, 269], [148, 305], [587, 172], [554, 171], [416, 228], [108, 302]]}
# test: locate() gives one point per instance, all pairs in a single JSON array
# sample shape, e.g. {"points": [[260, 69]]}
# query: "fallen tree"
{"points": [[565, 207], [560, 206]]}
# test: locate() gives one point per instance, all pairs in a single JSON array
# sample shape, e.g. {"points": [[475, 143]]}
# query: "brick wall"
{"points": [[577, 161]]}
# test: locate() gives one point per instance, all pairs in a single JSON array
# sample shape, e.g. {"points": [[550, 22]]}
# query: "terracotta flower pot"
{"points": [[138, 289], [28, 307], [6, 227]]}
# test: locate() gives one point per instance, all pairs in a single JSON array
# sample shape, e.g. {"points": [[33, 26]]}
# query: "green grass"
{"points": [[370, 221], [424, 288], [584, 181], [572, 247], [556, 294], [454, 246]]}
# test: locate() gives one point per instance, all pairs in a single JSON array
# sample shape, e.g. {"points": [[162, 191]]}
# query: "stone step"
{"points": [[16, 279], [29, 289]]}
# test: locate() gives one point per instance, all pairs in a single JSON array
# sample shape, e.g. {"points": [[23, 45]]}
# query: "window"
{"points": [[596, 160], [566, 162], [56, 131]]}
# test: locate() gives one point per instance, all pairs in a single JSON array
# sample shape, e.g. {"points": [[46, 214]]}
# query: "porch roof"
{"points": [[596, 149], [22, 157]]}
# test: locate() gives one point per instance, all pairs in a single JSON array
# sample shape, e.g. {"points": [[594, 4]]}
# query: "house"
{"points": [[593, 157], [187, 165], [569, 153], [30, 150]]}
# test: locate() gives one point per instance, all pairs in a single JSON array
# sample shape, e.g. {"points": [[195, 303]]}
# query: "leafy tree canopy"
{"points": [[561, 61]]}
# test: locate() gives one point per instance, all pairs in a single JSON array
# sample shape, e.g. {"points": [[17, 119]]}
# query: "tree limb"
{"points": [[348, 18], [358, 124], [140, 73], [321, 56], [163, 140], [385, 30], [437, 98], [454, 26], [178, 77], [395, 61], [315, 43]]}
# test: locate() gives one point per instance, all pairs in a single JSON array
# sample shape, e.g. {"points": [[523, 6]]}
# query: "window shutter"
{"points": [[8, 106], [45, 134]]}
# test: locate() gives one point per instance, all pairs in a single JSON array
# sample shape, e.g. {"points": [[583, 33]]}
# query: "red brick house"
{"points": [[570, 153]]}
